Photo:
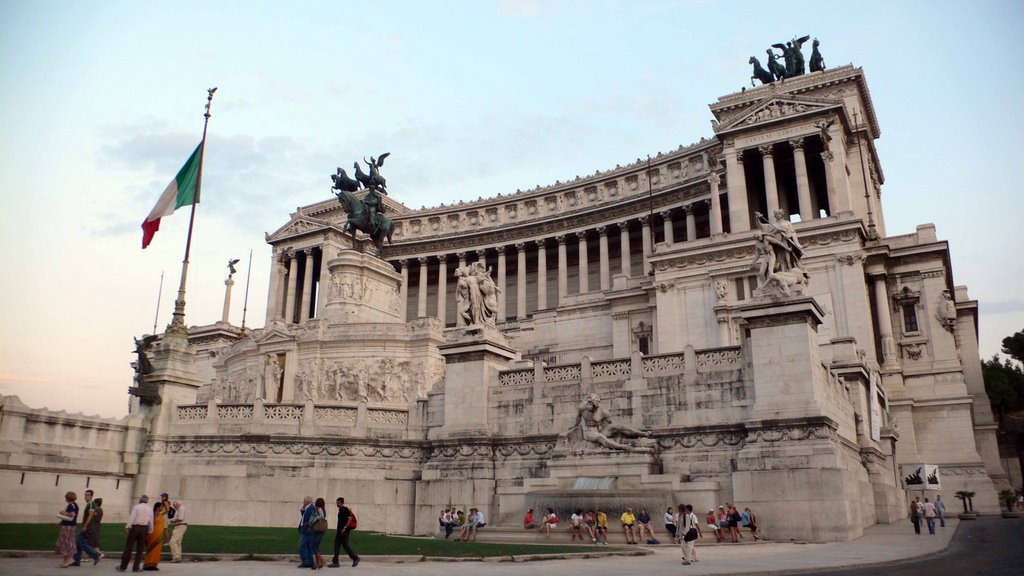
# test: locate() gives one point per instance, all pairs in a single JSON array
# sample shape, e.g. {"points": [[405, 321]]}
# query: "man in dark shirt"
{"points": [[342, 534]]}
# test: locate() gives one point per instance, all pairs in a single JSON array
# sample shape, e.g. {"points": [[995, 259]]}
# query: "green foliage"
{"points": [[1014, 346], [1004, 383], [258, 542], [1007, 496]]}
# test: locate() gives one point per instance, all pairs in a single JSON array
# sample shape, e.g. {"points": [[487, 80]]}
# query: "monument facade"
{"points": [[727, 322]]}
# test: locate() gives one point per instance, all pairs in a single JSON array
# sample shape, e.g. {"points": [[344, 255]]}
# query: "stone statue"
{"points": [[476, 296], [947, 311], [271, 378], [488, 294], [721, 291], [231, 267], [778, 257], [366, 215], [823, 127], [764, 76], [596, 425], [817, 62], [143, 367]]}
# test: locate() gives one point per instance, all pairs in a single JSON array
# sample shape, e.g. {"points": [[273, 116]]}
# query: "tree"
{"points": [[1014, 346], [1004, 380]]}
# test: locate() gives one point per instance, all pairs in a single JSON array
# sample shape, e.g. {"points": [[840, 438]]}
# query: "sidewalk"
{"points": [[880, 544]]}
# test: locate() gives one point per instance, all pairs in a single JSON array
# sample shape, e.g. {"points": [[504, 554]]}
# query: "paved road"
{"points": [[987, 546]]}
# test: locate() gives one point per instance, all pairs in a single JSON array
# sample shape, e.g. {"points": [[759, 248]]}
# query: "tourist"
{"points": [[713, 525], [82, 543], [137, 529], [734, 524], [345, 526], [66, 540], [590, 522], [602, 526], [915, 515], [165, 499], [449, 520], [751, 522], [305, 515], [318, 528], [92, 526], [528, 520], [180, 523], [690, 529], [461, 516], [576, 525], [929, 515], [628, 521], [723, 524], [155, 541], [549, 521], [670, 523], [476, 522], [643, 523], [940, 508]]}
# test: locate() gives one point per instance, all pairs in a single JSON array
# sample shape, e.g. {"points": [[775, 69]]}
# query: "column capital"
{"points": [[461, 256], [581, 235], [442, 258], [686, 208], [422, 260], [766, 150], [714, 179], [602, 230], [404, 262], [796, 143], [706, 203], [623, 226], [500, 250], [643, 220], [666, 214], [541, 244], [560, 239], [521, 246], [481, 253]]}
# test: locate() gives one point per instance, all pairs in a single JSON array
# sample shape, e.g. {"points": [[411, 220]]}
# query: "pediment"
{"points": [[299, 224], [272, 335], [778, 108]]}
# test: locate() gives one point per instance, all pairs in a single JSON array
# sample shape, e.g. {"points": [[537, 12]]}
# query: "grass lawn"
{"points": [[256, 541]]}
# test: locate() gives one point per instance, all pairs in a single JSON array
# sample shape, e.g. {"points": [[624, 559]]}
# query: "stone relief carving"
{"points": [[721, 291], [775, 110], [239, 387], [594, 425]]}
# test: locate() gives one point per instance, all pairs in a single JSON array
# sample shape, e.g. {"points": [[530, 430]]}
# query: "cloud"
{"points": [[1000, 307]]}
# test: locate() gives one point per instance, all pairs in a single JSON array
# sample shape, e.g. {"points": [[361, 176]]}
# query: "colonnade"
{"points": [[294, 285]]}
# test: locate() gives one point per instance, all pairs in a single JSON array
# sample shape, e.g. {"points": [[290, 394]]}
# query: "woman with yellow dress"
{"points": [[155, 543]]}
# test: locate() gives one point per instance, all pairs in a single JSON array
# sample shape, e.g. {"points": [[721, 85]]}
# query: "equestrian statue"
{"points": [[366, 214]]}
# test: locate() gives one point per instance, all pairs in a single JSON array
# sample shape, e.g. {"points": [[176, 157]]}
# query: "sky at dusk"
{"points": [[102, 102]]}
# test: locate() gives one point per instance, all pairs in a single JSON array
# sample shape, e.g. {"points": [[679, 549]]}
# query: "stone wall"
{"points": [[44, 454]]}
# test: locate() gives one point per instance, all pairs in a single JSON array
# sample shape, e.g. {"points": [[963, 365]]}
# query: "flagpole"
{"points": [[159, 295], [177, 326], [245, 305]]}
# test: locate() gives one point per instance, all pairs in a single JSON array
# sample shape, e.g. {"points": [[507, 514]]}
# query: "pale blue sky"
{"points": [[101, 103]]}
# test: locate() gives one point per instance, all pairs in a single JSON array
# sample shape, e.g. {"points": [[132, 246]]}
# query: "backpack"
{"points": [[352, 522]]}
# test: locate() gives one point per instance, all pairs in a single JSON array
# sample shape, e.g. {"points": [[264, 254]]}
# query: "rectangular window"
{"points": [[909, 318], [740, 292]]}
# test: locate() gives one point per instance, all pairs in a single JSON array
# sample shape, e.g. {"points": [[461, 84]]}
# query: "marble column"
{"points": [[691, 222], [293, 280], [603, 254], [227, 299], [521, 281], [739, 211], [890, 358], [421, 293], [307, 286], [442, 287], [627, 267], [462, 259], [563, 270], [403, 291], [274, 294], [584, 265], [716, 204], [542, 275], [771, 189], [501, 284], [645, 235], [803, 187], [481, 257], [666, 218]]}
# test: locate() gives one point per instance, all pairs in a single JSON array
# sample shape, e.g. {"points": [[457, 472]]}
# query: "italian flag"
{"points": [[182, 191]]}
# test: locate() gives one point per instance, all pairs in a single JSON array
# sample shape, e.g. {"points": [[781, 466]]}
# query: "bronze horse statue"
{"points": [[359, 219], [759, 72]]}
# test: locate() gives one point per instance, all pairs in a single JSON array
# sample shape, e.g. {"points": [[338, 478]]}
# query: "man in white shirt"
{"points": [[137, 530], [475, 523], [689, 521], [929, 515], [180, 523]]}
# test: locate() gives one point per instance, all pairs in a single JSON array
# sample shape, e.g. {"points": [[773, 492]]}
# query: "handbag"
{"points": [[691, 535], [320, 525]]}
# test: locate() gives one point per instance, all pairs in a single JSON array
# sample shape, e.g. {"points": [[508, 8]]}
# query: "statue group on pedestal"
{"points": [[793, 59], [594, 424], [476, 296], [366, 215], [778, 257]]}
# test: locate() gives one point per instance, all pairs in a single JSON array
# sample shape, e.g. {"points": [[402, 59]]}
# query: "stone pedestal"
{"points": [[473, 357], [362, 289]]}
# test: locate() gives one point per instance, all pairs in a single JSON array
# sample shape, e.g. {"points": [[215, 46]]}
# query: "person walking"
{"points": [[690, 530], [940, 507], [66, 540], [317, 529], [180, 523], [928, 510], [344, 530], [137, 529], [915, 515], [82, 543], [305, 516], [93, 523]]}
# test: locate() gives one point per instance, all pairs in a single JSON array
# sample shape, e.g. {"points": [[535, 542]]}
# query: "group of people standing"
{"points": [[313, 526], [929, 511], [73, 540], [149, 529]]}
